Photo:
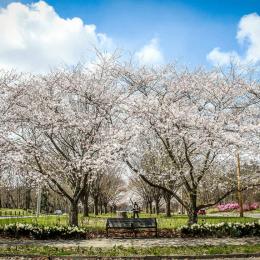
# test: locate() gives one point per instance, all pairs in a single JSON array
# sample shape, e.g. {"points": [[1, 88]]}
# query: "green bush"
{"points": [[221, 230], [42, 232]]}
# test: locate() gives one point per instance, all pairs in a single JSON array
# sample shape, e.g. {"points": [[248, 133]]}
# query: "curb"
{"points": [[234, 256]]}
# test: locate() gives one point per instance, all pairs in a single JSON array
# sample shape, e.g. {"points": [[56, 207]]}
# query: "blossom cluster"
{"points": [[234, 206], [252, 206], [228, 206]]}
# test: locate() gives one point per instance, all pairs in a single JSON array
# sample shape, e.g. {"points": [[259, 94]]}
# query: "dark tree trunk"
{"points": [[146, 207], [96, 206], [105, 207], [101, 207], [73, 214], [192, 217], [157, 207], [150, 207], [167, 198], [114, 208], [193, 212], [168, 206], [84, 200], [12, 200], [85, 207]]}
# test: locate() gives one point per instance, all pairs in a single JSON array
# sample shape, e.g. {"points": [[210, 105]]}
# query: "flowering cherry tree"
{"points": [[198, 119], [62, 127]]}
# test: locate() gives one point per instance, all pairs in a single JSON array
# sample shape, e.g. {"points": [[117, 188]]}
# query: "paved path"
{"points": [[233, 214], [108, 243]]}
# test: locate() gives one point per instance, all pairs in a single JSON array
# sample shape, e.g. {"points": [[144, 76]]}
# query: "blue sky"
{"points": [[184, 30], [187, 30]]}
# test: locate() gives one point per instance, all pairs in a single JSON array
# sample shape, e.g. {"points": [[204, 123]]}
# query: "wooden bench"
{"points": [[131, 224]]}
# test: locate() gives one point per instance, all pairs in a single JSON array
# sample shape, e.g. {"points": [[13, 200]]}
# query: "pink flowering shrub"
{"points": [[235, 206], [228, 207], [252, 206]]}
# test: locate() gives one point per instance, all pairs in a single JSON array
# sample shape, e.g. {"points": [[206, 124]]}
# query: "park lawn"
{"points": [[41, 220], [130, 251], [99, 222]]}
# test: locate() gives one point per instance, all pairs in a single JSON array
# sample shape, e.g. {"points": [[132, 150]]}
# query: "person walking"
{"points": [[135, 211]]}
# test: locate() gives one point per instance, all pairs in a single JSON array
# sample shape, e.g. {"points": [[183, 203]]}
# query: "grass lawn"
{"points": [[130, 251], [98, 222]]}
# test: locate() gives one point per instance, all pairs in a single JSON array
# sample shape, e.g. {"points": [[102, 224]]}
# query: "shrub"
{"points": [[221, 230], [234, 206], [228, 206], [42, 232], [252, 206]]}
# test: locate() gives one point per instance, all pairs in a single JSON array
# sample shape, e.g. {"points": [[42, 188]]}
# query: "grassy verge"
{"points": [[131, 251]]}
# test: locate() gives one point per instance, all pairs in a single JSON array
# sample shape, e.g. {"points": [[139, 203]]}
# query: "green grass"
{"points": [[130, 251], [98, 222], [177, 221]]}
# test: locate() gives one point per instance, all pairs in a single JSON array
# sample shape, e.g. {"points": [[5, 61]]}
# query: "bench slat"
{"points": [[131, 223]]}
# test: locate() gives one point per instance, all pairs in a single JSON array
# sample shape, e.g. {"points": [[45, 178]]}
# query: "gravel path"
{"points": [[108, 243]]}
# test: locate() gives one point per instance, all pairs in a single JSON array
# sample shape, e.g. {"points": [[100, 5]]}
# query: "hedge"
{"points": [[67, 232], [221, 230]]}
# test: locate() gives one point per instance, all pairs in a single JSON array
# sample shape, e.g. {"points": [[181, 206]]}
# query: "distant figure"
{"points": [[135, 211]]}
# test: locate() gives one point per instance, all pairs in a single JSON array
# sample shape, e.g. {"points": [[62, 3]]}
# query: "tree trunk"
{"points": [[167, 198], [85, 207], [168, 206], [101, 207], [105, 207], [96, 206], [146, 207], [193, 212], [114, 208], [84, 201], [157, 208], [73, 214], [12, 200], [150, 207], [193, 217]]}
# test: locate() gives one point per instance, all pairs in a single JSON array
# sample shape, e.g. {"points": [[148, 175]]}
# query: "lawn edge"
{"points": [[239, 255]]}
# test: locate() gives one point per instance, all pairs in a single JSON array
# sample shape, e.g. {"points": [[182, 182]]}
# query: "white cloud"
{"points": [[249, 31], [35, 38], [249, 34], [218, 57], [150, 54]]}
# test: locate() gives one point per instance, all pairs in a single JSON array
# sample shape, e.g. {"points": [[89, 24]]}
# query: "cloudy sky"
{"points": [[37, 36]]}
